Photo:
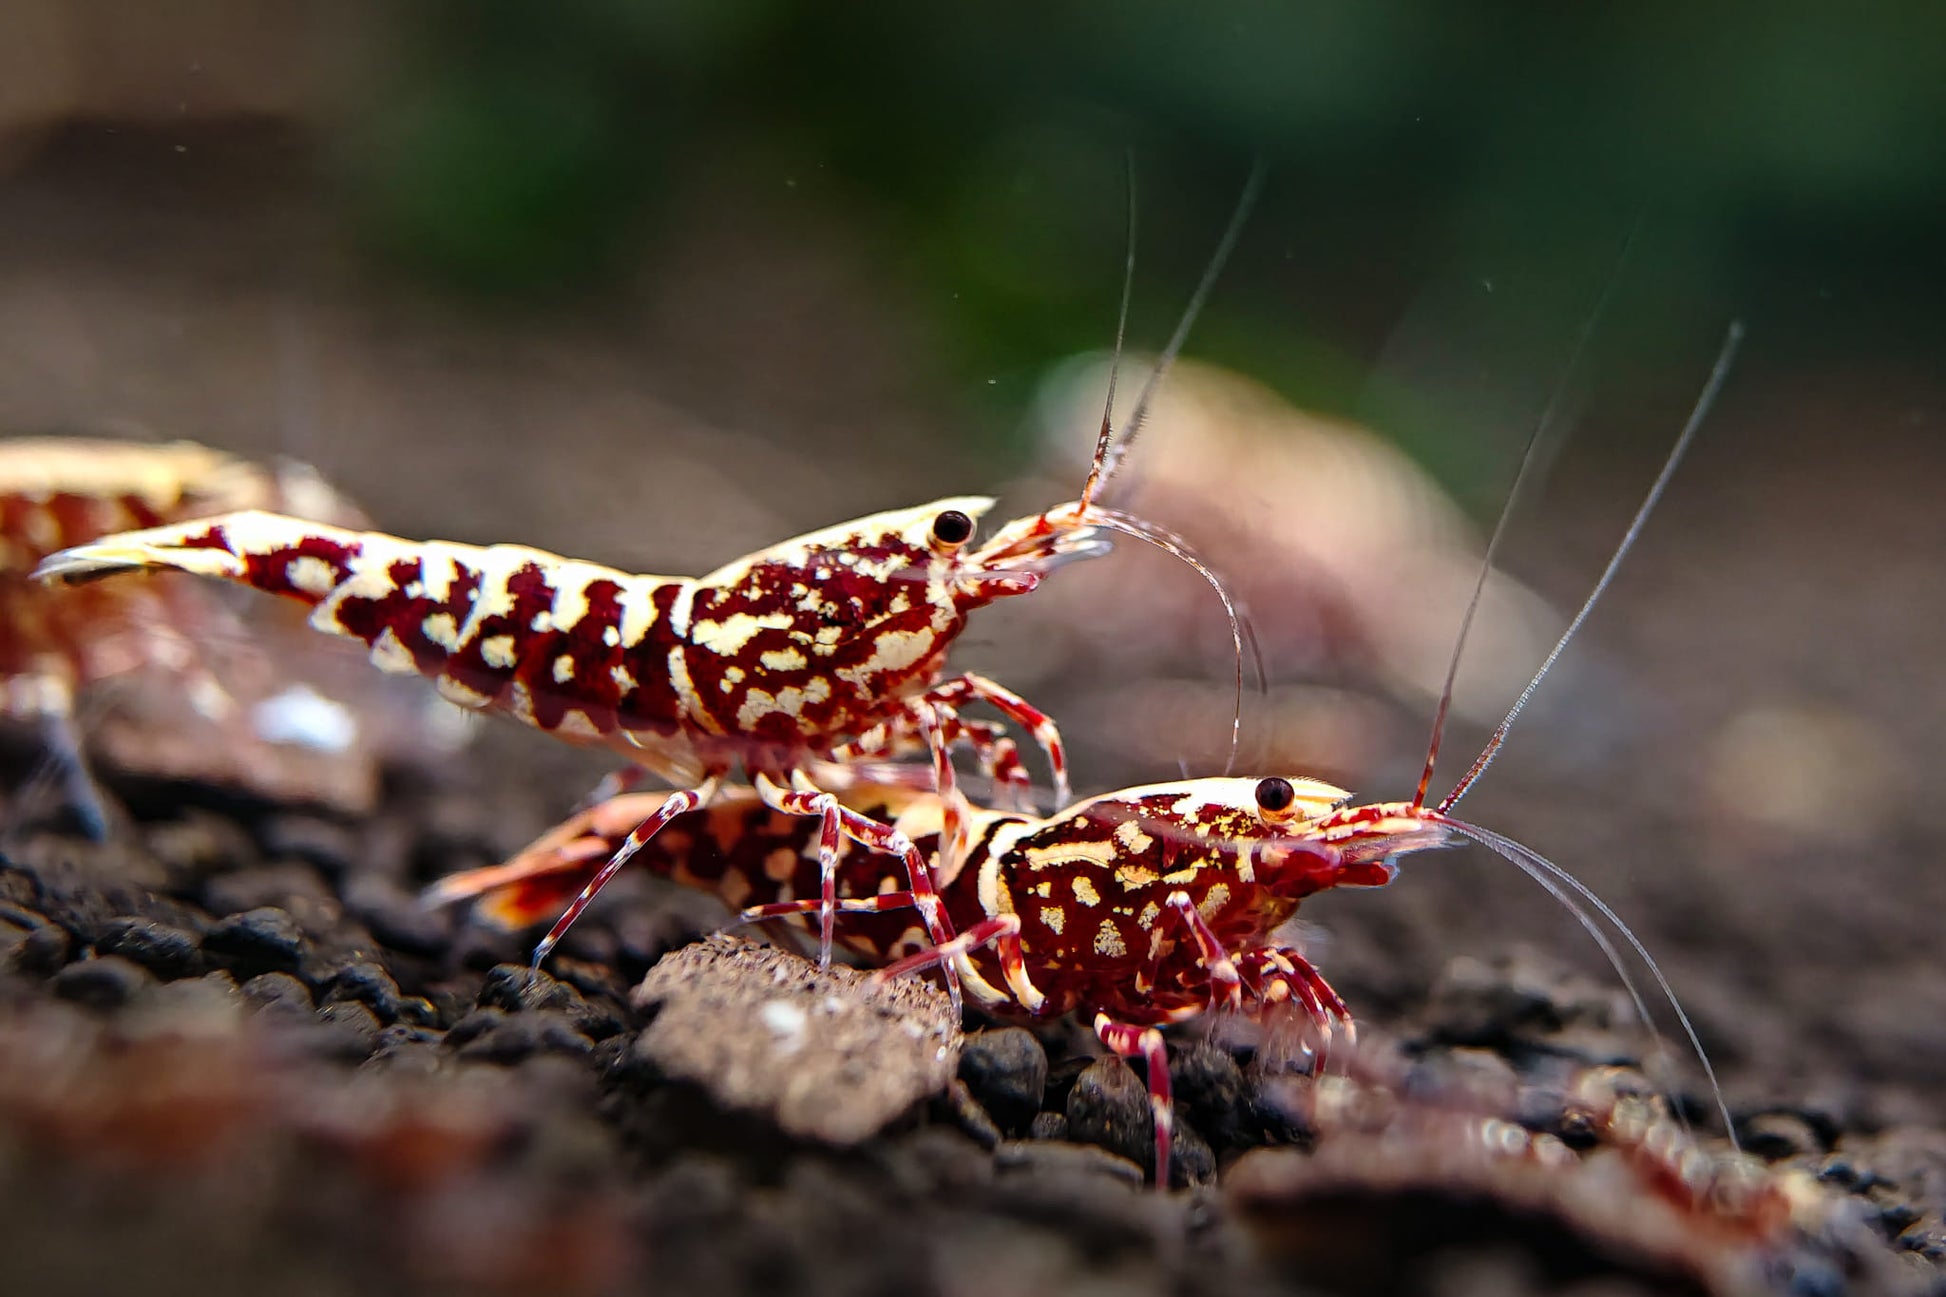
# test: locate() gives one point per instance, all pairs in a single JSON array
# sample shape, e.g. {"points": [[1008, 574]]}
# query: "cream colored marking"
{"points": [[757, 704], [542, 622], [575, 724], [623, 680], [893, 650], [828, 636], [733, 674], [369, 579], [680, 609], [571, 579], [788, 659], [809, 600], [497, 651], [637, 600], [41, 531], [521, 701], [727, 637], [995, 898], [415, 590], [311, 574], [1247, 863], [685, 690], [610, 636], [1148, 915], [1055, 918], [780, 864], [455, 692], [1044, 889], [1084, 891], [490, 598], [1071, 853], [442, 630], [1183, 875], [1214, 901], [1132, 877], [1108, 940], [563, 668], [437, 571], [1129, 834], [390, 655]]}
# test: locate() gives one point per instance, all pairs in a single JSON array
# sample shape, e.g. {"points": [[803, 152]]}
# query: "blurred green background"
{"points": [[1482, 162]]}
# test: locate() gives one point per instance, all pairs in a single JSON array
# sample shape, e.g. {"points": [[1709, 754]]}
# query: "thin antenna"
{"points": [[1529, 455], [1108, 458], [1724, 359], [1107, 434], [1541, 869]]}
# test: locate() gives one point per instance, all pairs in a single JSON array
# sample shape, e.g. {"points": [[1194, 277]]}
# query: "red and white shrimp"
{"points": [[1138, 908], [57, 492], [831, 645]]}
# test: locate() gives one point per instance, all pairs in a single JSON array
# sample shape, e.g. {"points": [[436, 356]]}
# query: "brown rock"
{"points": [[828, 1055]]}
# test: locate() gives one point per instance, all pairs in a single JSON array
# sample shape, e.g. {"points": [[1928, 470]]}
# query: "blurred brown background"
{"points": [[659, 284]]}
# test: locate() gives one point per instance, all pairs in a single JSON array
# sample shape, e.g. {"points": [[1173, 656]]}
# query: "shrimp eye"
{"points": [[1275, 795], [952, 528]]}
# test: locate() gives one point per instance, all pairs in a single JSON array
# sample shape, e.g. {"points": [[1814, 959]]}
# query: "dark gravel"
{"points": [[744, 1121]]}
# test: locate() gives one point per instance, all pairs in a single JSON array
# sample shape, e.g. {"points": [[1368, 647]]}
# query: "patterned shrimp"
{"points": [[831, 645], [54, 644], [1136, 909], [1139, 908]]}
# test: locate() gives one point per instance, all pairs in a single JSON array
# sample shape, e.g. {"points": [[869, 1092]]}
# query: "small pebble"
{"points": [[279, 993], [1053, 1157], [345, 1030], [280, 886], [396, 917], [1208, 1089], [1191, 1162], [44, 950], [518, 1036], [366, 983], [103, 982], [1049, 1125], [957, 1105], [168, 952], [476, 1023], [1006, 1070], [518, 986], [323, 843], [261, 938], [1775, 1136], [1109, 1108]]}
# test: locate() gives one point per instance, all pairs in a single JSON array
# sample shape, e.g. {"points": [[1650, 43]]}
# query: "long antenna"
{"points": [[1106, 436], [1724, 359], [1529, 456], [1109, 457]]}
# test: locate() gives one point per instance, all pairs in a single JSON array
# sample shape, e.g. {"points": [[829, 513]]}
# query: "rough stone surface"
{"points": [[1006, 1070], [832, 1055]]}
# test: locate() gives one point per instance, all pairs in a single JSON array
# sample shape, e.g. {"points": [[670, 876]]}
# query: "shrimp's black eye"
{"points": [[952, 528], [1275, 794]]}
